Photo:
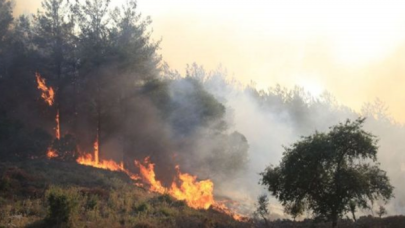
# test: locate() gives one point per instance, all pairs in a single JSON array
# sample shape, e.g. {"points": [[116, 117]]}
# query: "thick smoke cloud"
{"points": [[279, 117], [211, 127]]}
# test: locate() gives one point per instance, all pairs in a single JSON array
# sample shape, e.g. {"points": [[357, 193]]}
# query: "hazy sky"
{"points": [[354, 49]]}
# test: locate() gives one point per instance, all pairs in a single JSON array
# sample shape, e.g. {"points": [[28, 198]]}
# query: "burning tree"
{"points": [[54, 35], [99, 79], [327, 172]]}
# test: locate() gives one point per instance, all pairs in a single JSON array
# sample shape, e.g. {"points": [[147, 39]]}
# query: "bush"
{"points": [[63, 206], [4, 184], [91, 202], [142, 208], [165, 198], [144, 224]]}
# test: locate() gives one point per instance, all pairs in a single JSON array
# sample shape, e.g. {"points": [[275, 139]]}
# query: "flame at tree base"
{"points": [[94, 161], [111, 165], [57, 128], [51, 154]]}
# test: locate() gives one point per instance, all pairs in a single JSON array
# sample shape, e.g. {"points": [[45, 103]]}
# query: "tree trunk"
{"points": [[334, 220], [98, 117], [334, 223], [58, 98], [354, 216]]}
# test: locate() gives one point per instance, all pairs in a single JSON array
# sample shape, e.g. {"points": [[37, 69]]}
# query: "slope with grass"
{"points": [[45, 193]]}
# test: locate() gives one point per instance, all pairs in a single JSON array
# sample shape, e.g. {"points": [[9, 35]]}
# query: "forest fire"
{"points": [[147, 171], [186, 187], [51, 154], [89, 160], [94, 161], [57, 128], [197, 194], [48, 93]]}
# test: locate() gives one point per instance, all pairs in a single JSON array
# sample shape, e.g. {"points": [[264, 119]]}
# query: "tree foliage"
{"points": [[325, 172], [63, 207], [106, 72], [6, 17], [381, 211], [262, 208]]}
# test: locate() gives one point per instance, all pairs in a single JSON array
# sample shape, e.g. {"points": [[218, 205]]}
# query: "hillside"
{"points": [[97, 129], [90, 197]]}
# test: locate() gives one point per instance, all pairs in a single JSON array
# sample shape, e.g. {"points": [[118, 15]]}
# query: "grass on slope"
{"points": [[42, 193]]}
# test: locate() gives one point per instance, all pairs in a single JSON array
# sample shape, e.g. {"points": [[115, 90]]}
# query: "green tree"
{"points": [[117, 60], [262, 208], [95, 52], [63, 207], [324, 172], [352, 206], [134, 49], [381, 211], [6, 17]]}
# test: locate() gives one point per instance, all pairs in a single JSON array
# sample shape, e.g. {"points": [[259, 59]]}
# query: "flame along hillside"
{"points": [[185, 187]]}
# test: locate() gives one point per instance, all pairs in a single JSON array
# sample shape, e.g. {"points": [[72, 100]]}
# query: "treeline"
{"points": [[280, 116], [106, 74]]}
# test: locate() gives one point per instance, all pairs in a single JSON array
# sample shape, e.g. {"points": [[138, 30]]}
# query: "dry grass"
{"points": [[88, 197]]}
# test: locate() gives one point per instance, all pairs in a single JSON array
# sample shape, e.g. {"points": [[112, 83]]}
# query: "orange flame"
{"points": [[88, 160], [148, 174], [197, 194], [47, 93], [94, 161], [224, 209], [57, 129], [96, 152], [51, 154]]}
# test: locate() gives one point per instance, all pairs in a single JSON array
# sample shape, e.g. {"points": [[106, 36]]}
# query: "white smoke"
{"points": [[269, 124]]}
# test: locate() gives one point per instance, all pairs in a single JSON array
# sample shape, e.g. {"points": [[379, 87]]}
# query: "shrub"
{"points": [[91, 202], [142, 208], [167, 211], [165, 198], [144, 224], [4, 184], [63, 207]]}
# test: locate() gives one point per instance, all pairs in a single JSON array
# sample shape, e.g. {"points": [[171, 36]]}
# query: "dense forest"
{"points": [[107, 79], [80, 75]]}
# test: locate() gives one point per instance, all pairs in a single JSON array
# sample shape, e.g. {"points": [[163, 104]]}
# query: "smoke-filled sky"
{"points": [[353, 49]]}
